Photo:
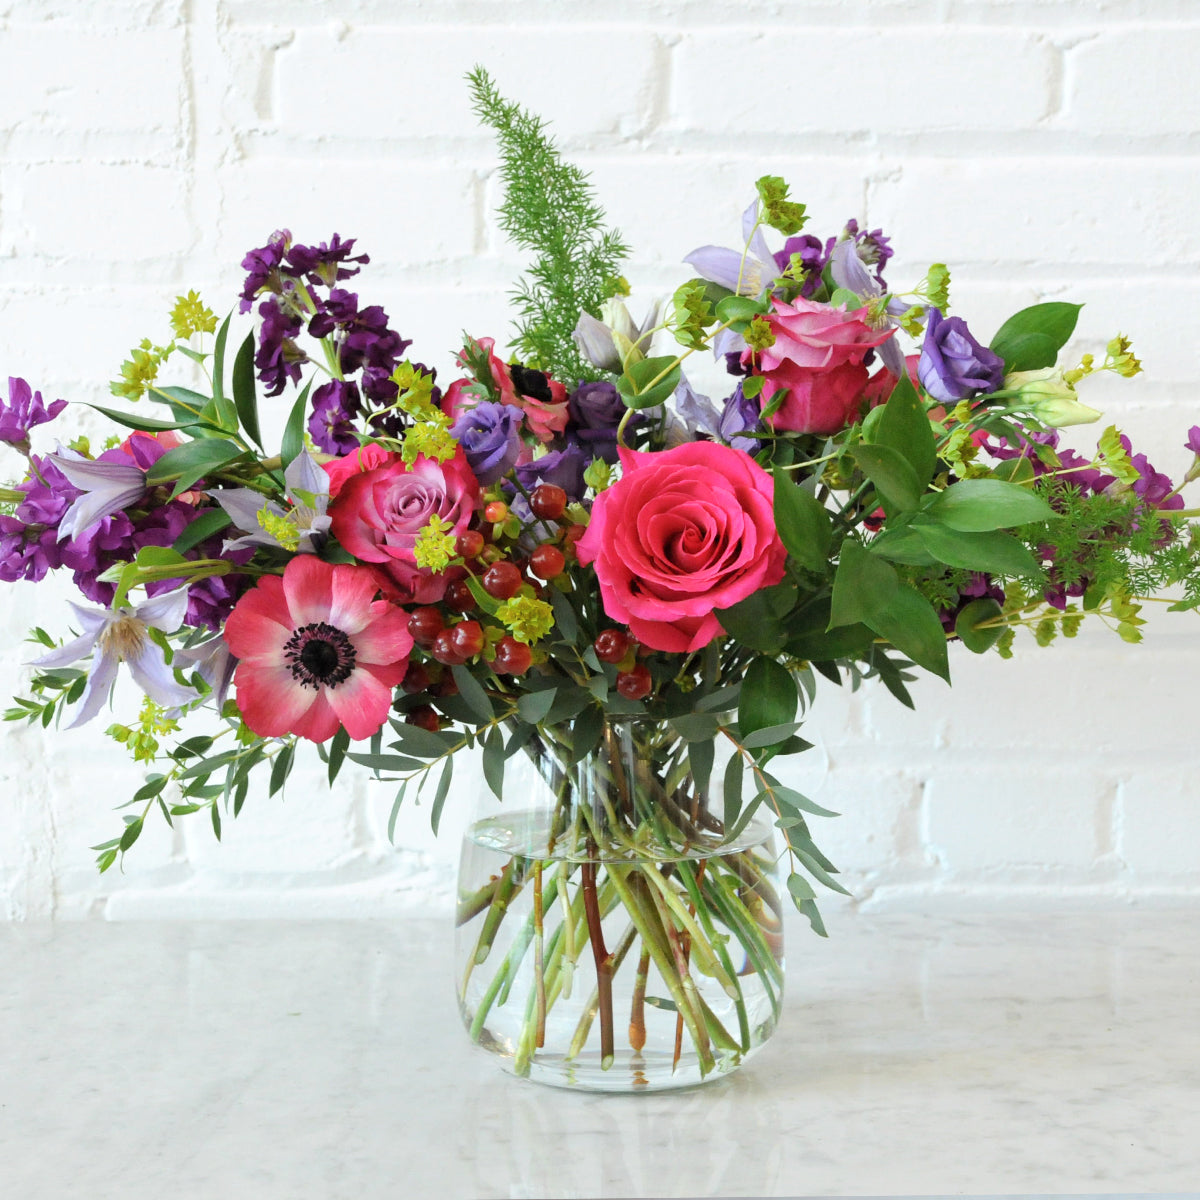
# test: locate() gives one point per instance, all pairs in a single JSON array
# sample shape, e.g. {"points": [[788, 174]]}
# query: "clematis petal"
{"points": [[306, 475], [164, 611], [148, 666], [595, 341], [100, 680], [243, 507], [717, 263]]}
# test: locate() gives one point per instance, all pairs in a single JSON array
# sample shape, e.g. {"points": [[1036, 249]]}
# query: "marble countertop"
{"points": [[995, 1053]]}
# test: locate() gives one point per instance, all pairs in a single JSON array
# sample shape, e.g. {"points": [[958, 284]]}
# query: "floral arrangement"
{"points": [[526, 554]]}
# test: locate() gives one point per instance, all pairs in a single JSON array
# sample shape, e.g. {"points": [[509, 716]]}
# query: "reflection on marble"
{"points": [[989, 1054]]}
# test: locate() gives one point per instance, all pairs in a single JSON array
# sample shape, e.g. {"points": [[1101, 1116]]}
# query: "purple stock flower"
{"points": [[24, 410], [278, 358], [325, 263], [490, 435], [979, 587], [813, 257], [953, 365], [334, 406], [1193, 439], [263, 268], [29, 541]]}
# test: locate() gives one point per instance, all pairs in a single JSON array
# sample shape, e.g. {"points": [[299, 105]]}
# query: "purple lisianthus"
{"points": [[262, 267], [334, 406], [594, 411], [24, 410], [953, 365], [490, 435], [564, 468], [278, 358]]}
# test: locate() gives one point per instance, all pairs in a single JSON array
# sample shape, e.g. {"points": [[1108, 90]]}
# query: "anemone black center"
{"points": [[531, 383], [318, 655]]}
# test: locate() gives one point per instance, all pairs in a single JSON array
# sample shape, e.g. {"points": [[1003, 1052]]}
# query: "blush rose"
{"points": [[682, 533], [818, 356], [378, 514]]}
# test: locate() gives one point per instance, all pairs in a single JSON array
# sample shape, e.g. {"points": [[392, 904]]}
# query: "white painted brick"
{"points": [[1050, 210], [411, 84], [1159, 822], [55, 80], [1015, 820], [110, 212], [880, 82], [1157, 69]]}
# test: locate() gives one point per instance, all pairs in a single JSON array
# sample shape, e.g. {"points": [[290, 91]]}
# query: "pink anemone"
{"points": [[317, 651]]}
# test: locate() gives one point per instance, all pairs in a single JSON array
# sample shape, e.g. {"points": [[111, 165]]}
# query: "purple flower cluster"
{"points": [[24, 410], [300, 283], [813, 254], [980, 586], [29, 545], [872, 248]]}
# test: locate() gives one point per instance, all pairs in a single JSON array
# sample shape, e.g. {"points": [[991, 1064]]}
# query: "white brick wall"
{"points": [[1041, 148]]}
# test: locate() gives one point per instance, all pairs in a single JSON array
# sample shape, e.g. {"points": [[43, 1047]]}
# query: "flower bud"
{"points": [[1049, 397]]}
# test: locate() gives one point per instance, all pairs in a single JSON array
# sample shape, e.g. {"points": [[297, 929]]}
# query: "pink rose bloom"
{"points": [[365, 458], [683, 532], [317, 652], [818, 355], [378, 514]]}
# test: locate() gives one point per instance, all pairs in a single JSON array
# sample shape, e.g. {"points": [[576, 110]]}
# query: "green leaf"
{"points": [[293, 431], [800, 888], [903, 426], [281, 768], [586, 732], [132, 833], [386, 762], [974, 614], [244, 396], [137, 421], [999, 553], [421, 743], [809, 909], [565, 624], [338, 746], [700, 761], [862, 588], [804, 525], [209, 522], [192, 461], [637, 386], [977, 505], [770, 735], [696, 727], [493, 761], [472, 692], [533, 706], [890, 472], [732, 792], [439, 798], [902, 544], [391, 825], [757, 622], [818, 872], [768, 696], [739, 309], [912, 625], [1031, 339]]}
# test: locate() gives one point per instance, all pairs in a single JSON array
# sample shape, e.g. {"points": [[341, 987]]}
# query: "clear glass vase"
{"points": [[611, 936]]}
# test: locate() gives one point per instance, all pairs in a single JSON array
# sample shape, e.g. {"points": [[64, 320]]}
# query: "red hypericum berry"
{"points": [[467, 638], [495, 512], [425, 624], [445, 651], [502, 580], [416, 679], [469, 543], [512, 657], [458, 596], [635, 684], [611, 645], [425, 717], [548, 501], [446, 686], [547, 562]]}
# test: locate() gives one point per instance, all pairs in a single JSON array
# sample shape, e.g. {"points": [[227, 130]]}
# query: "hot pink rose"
{"points": [[378, 514], [366, 458], [683, 532], [818, 356]]}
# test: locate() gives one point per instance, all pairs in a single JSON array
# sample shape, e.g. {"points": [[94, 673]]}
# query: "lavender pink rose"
{"points": [[683, 532]]}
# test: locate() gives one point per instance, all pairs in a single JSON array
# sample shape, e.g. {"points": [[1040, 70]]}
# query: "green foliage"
{"points": [[1031, 339], [549, 208]]}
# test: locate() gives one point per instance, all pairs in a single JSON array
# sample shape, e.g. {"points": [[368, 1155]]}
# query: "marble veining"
{"points": [[995, 1053]]}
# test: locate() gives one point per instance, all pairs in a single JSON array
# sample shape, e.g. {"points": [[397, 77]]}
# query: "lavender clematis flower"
{"points": [[111, 637], [849, 271], [107, 487], [610, 341], [24, 410], [698, 412], [748, 274], [733, 425], [213, 662], [307, 489]]}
